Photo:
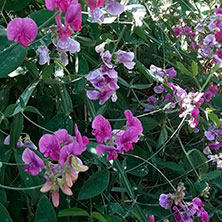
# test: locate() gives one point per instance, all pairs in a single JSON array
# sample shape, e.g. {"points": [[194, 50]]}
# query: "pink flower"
{"points": [[23, 30], [151, 219], [55, 198], [73, 16], [35, 162], [49, 146], [56, 4], [63, 31], [219, 36], [93, 4], [101, 129], [112, 151]]}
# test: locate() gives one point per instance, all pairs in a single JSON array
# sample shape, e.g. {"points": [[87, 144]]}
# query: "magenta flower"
{"points": [[101, 129], [120, 140], [35, 162], [133, 121], [126, 58], [176, 31], [49, 146], [93, 4], [73, 16], [218, 11], [57, 4], [23, 30], [63, 31], [112, 151], [114, 8]]}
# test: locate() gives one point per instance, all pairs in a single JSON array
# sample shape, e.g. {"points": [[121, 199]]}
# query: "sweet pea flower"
{"points": [[151, 219], [176, 31], [171, 72], [94, 4], [120, 140], [165, 201], [101, 129], [73, 16], [35, 162], [210, 40], [126, 58], [69, 45], [57, 4], [114, 8], [218, 11], [97, 15], [43, 53], [49, 146], [23, 30]]}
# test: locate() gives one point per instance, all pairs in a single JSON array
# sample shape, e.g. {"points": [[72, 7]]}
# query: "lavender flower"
{"points": [[165, 201], [114, 8], [43, 53], [126, 58]]}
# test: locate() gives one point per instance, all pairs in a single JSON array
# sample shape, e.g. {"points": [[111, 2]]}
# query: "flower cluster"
{"points": [[207, 37], [184, 211], [117, 140], [105, 78], [214, 135], [62, 164], [189, 102], [112, 7], [212, 90]]}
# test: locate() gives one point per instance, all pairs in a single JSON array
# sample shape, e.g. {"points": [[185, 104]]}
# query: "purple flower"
{"points": [[165, 201], [43, 53], [152, 101], [208, 95], [7, 142], [23, 30], [69, 45], [210, 40], [218, 11], [73, 16], [217, 60], [102, 96], [158, 89], [176, 31], [64, 58], [107, 58], [114, 8], [158, 71], [97, 15], [101, 129], [171, 72], [126, 58], [35, 163], [186, 30]]}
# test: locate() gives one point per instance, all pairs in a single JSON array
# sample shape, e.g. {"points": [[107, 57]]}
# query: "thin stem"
{"points": [[129, 189]]}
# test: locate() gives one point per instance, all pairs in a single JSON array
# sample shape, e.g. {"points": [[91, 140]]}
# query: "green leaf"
{"points": [[194, 68], [217, 101], [60, 121], [183, 69], [42, 16], [163, 137], [214, 118], [148, 123], [14, 5], [5, 217], [144, 71], [212, 175], [33, 109], [98, 216], [73, 212], [95, 185], [199, 161], [11, 54], [25, 97], [16, 129], [173, 167], [45, 210]]}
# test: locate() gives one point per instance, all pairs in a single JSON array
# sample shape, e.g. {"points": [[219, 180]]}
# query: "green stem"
{"points": [[129, 189]]}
